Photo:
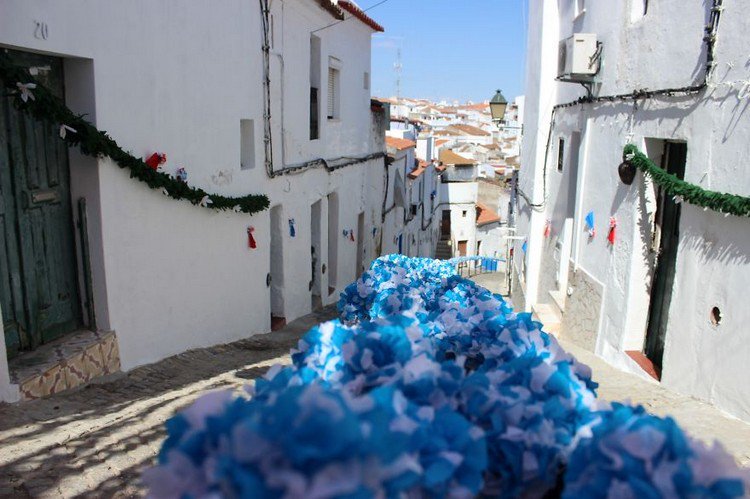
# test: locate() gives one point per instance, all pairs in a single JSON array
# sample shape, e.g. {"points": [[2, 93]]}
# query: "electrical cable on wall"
{"points": [[330, 165]]}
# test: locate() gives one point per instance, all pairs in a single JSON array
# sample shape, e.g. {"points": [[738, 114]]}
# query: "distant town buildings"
{"points": [[476, 162]]}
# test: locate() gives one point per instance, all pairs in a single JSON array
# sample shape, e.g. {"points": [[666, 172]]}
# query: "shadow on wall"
{"points": [[645, 230], [735, 115], [714, 237]]}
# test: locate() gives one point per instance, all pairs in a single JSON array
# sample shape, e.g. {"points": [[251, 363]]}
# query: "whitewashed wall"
{"points": [[179, 80], [660, 50], [461, 199]]}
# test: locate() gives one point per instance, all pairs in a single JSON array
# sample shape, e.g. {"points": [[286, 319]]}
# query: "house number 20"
{"points": [[41, 30]]}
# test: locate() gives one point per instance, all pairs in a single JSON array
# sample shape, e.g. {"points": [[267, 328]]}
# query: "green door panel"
{"points": [[39, 235]]}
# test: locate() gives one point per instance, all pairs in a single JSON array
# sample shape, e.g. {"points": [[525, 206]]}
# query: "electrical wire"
{"points": [[711, 34], [267, 130]]}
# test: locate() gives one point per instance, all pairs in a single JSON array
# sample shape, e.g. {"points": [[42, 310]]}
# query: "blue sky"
{"points": [[450, 49]]}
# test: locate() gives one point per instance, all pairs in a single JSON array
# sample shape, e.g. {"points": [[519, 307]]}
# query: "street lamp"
{"points": [[498, 105]]}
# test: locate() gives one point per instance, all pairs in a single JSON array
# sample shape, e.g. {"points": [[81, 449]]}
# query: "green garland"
{"points": [[718, 201], [43, 105]]}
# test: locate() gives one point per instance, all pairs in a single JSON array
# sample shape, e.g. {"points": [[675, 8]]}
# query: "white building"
{"points": [[411, 200], [686, 308], [471, 224], [162, 274]]}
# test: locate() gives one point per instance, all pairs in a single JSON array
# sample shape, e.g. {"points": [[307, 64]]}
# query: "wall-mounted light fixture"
{"points": [[626, 170]]}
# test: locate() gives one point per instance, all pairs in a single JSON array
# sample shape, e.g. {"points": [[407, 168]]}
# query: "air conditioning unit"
{"points": [[579, 57]]}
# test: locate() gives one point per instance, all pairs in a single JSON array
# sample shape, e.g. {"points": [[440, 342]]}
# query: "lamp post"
{"points": [[498, 106]]}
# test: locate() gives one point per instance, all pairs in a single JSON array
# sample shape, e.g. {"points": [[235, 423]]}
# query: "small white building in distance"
{"points": [[650, 281]]}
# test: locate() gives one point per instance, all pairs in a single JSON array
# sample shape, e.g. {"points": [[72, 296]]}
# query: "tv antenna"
{"points": [[397, 66]]}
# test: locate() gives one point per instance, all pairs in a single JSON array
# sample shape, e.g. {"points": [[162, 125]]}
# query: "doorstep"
{"points": [[549, 316], [65, 363]]}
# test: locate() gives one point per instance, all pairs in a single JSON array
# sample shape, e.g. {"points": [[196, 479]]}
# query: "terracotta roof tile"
{"points": [[399, 144], [448, 157], [471, 130], [485, 215], [354, 10]]}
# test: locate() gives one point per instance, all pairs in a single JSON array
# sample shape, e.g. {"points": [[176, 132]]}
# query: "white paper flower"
{"points": [[64, 129], [25, 89]]}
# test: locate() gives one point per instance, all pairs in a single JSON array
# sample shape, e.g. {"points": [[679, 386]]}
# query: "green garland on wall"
{"points": [[718, 201], [36, 100]]}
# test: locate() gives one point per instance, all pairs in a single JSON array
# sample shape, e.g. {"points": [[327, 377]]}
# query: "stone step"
{"points": [[549, 316], [68, 362]]}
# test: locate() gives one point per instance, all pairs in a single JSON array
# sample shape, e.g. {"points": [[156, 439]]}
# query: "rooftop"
{"points": [[419, 170], [471, 130], [448, 157], [485, 215], [355, 11], [399, 144]]}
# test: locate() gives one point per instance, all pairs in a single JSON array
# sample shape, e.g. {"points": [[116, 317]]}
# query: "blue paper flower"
{"points": [[430, 386]]}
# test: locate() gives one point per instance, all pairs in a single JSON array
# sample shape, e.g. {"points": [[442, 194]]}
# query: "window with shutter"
{"points": [[333, 93]]}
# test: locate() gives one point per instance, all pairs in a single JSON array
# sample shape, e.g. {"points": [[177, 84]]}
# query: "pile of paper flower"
{"points": [[430, 386]]}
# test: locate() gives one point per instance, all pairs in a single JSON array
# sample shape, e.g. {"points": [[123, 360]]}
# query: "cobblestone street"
{"points": [[96, 441]]}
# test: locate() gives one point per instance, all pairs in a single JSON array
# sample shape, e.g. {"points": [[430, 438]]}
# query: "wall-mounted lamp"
{"points": [[626, 170]]}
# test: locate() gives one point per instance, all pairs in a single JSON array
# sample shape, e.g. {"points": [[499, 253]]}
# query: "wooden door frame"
{"points": [[24, 132], [662, 285]]}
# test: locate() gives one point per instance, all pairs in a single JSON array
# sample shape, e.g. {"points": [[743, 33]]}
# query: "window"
{"points": [[314, 123], [334, 88], [314, 87], [463, 213], [560, 154], [367, 80], [247, 144], [333, 93]]}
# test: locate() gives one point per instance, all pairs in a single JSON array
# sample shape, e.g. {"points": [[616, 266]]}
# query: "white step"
{"points": [[549, 316]]}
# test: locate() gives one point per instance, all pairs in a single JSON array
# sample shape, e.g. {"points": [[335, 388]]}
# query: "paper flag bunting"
{"points": [[590, 223], [612, 227]]}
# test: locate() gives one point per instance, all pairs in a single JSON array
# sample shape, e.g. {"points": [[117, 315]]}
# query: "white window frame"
{"points": [[333, 99]]}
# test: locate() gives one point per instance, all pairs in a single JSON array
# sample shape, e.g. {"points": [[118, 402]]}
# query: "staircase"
{"points": [[443, 250]]}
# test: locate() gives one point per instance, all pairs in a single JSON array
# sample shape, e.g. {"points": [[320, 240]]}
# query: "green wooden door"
{"points": [[668, 220], [39, 291]]}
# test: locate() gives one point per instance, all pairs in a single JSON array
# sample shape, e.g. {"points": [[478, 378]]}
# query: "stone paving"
{"points": [[699, 419], [95, 442]]}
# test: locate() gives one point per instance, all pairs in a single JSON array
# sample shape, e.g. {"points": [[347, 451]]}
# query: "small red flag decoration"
{"points": [[547, 228], [250, 239], [612, 227]]}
